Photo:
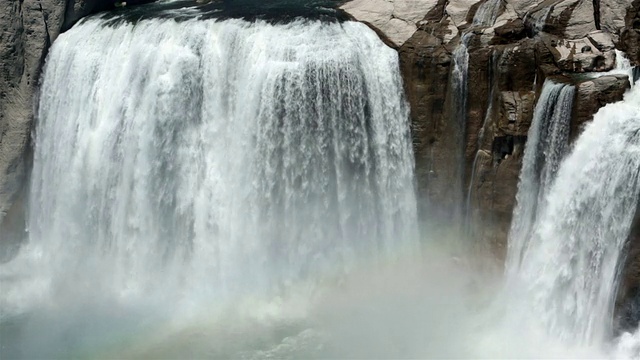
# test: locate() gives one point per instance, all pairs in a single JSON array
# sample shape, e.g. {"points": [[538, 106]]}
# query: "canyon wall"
{"points": [[513, 46]]}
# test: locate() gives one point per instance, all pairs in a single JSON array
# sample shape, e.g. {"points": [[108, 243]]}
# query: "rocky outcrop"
{"points": [[593, 94], [509, 60]]}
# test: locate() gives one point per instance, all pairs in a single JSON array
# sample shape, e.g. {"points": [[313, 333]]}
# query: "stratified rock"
{"points": [[593, 94], [495, 186]]}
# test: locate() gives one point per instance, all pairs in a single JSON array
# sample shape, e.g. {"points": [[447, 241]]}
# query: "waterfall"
{"points": [[569, 269], [217, 158], [487, 13], [495, 58], [538, 22], [458, 110], [623, 66], [546, 145]]}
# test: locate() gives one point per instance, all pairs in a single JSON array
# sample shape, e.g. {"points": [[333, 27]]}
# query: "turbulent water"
{"points": [[207, 161], [548, 139], [571, 265]]}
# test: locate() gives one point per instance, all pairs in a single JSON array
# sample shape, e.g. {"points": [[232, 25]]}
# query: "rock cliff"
{"points": [[512, 46], [27, 29]]}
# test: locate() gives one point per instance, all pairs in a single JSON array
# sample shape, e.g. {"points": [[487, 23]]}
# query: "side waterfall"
{"points": [[217, 157], [458, 100], [568, 272], [547, 142], [487, 13]]}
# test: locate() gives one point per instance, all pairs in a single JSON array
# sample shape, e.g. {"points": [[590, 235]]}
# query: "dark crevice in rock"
{"points": [[501, 147], [596, 13], [46, 26]]}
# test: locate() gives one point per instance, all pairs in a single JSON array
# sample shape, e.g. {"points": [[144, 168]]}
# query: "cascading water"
{"points": [[495, 58], [487, 13], [567, 274], [458, 107], [546, 146], [538, 19], [208, 160]]}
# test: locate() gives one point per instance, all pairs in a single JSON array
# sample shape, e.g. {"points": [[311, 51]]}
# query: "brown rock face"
{"points": [[425, 65], [508, 65], [494, 177], [593, 94]]}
